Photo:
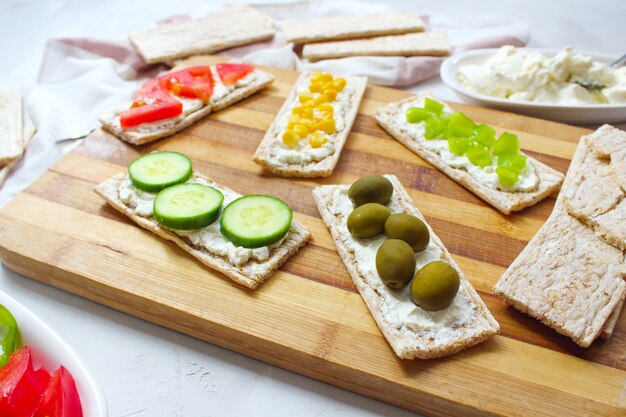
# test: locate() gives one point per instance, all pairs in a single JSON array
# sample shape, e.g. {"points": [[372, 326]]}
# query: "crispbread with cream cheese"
{"points": [[323, 168], [110, 121], [593, 194], [233, 26], [411, 44], [506, 202], [251, 274], [11, 125], [350, 27], [408, 343]]}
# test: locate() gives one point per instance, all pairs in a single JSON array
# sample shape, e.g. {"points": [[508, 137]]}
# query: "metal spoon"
{"points": [[75, 137], [594, 85]]}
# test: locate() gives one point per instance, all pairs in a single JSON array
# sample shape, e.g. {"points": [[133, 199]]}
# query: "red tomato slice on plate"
{"points": [[61, 398], [192, 82], [21, 387], [152, 103], [230, 72]]}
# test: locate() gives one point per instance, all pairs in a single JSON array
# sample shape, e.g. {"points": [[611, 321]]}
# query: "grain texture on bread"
{"points": [[233, 26], [28, 135], [406, 343], [11, 126], [110, 120], [323, 168], [251, 274], [350, 27], [506, 202], [411, 44]]}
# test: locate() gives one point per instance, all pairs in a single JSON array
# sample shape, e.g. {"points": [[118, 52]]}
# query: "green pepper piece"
{"points": [[459, 125], [478, 155], [514, 162], [416, 115], [8, 335], [507, 143], [433, 106], [507, 176], [458, 145], [435, 127], [485, 135]]}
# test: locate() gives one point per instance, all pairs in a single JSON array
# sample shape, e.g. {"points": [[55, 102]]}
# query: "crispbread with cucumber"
{"points": [[308, 134], [245, 237], [469, 153], [419, 297], [176, 100]]}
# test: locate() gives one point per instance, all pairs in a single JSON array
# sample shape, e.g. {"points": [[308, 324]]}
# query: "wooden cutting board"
{"points": [[308, 317]]}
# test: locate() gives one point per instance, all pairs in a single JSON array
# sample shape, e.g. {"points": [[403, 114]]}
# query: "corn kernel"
{"points": [[317, 139], [319, 100], [326, 107], [307, 113], [327, 126], [290, 138], [305, 96], [308, 123], [340, 83], [315, 87], [330, 94], [291, 125], [297, 110], [300, 130], [324, 76], [293, 118], [323, 115]]}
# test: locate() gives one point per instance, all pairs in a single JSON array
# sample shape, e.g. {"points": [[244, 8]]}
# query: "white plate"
{"points": [[51, 351], [577, 114]]}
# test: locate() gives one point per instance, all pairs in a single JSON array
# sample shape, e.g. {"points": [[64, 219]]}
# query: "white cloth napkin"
{"points": [[81, 78]]}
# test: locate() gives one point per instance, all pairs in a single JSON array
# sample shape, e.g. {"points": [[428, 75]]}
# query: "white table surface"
{"points": [[149, 371]]}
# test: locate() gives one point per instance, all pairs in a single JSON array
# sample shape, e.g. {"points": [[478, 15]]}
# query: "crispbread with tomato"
{"points": [[171, 102]]}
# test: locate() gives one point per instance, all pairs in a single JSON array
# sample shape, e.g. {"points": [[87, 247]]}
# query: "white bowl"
{"points": [[51, 351], [577, 114]]}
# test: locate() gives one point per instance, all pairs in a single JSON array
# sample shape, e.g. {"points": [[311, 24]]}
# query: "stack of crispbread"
{"points": [[13, 136], [571, 274], [393, 34]]}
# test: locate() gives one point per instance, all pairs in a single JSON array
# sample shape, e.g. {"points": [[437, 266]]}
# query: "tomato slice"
{"points": [[61, 398], [21, 388], [152, 103], [230, 72], [192, 82]]}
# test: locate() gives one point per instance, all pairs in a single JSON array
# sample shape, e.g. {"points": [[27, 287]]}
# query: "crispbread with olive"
{"points": [[507, 202], [406, 342], [593, 193], [251, 274]]}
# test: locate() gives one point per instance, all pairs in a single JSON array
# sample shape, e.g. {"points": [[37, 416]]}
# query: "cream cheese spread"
{"points": [[208, 238], [396, 305], [531, 76], [303, 153], [528, 179]]}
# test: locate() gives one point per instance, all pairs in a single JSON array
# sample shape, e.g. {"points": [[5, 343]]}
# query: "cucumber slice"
{"points": [[187, 206], [255, 220], [158, 170]]}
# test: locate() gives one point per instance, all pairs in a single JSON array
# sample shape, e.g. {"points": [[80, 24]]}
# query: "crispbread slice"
{"points": [[11, 135], [411, 44], [110, 121], [4, 171], [593, 194], [322, 168], [567, 278], [234, 26], [506, 202], [251, 274], [350, 27], [406, 343], [610, 324]]}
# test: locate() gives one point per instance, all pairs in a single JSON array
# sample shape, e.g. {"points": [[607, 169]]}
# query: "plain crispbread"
{"points": [[408, 344], [234, 26], [322, 168], [251, 274], [506, 202], [350, 27], [566, 276], [4, 171], [109, 120], [411, 44], [11, 135]]}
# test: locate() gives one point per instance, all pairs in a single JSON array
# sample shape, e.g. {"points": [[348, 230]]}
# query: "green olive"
{"points": [[395, 263], [368, 220], [371, 189], [435, 286], [408, 228]]}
